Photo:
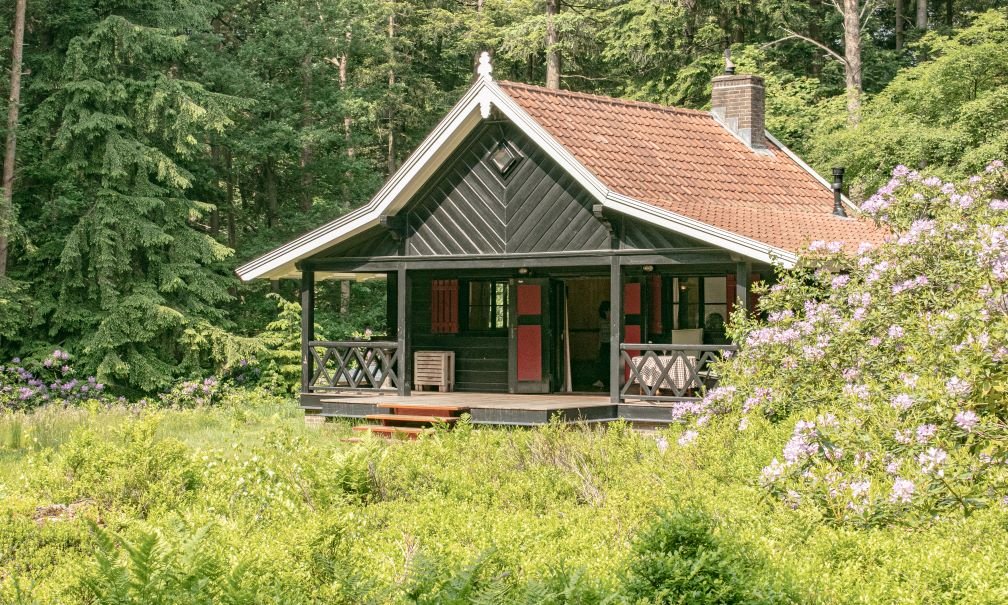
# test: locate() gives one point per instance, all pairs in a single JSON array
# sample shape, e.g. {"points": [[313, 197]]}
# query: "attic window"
{"points": [[503, 158]]}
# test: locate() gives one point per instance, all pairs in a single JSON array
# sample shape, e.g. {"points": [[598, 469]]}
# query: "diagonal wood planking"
{"points": [[470, 208]]}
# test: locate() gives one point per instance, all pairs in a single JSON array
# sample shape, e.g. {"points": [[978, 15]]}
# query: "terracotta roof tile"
{"points": [[684, 161]]}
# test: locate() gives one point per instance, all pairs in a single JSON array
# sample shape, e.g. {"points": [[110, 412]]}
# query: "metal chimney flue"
{"points": [[838, 207]]}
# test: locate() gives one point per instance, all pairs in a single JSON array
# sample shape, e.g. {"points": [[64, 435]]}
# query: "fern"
{"points": [[155, 568]]}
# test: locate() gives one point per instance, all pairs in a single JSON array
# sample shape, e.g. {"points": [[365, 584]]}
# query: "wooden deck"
{"points": [[491, 408]]}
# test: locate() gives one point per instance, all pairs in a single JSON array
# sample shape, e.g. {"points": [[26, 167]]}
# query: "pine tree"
{"points": [[134, 266]]}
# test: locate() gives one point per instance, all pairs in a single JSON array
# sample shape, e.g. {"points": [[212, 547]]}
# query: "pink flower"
{"points": [[967, 420], [902, 491]]}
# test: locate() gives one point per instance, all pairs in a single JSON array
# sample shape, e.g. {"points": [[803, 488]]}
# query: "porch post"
{"points": [[615, 331], [742, 270], [307, 328], [402, 328]]}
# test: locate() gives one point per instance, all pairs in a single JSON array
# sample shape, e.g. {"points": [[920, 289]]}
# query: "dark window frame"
{"points": [[496, 310]]}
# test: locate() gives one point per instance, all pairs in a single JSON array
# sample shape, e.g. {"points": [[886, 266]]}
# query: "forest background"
{"points": [[159, 143]]}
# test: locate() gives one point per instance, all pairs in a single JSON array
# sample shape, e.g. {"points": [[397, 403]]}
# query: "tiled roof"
{"points": [[684, 161]]}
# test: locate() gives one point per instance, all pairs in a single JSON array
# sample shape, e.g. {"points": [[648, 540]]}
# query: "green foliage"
{"points": [[244, 490], [154, 568], [888, 362], [131, 470], [163, 142], [680, 559], [949, 112], [281, 354]]}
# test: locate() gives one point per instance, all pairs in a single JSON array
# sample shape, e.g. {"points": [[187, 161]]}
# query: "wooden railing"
{"points": [[355, 366], [668, 372]]}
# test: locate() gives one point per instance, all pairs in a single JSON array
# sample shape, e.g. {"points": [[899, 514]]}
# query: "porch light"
{"points": [[648, 268], [523, 271]]}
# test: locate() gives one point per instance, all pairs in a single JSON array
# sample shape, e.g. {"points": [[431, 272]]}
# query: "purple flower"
{"points": [[925, 432], [958, 388], [840, 281], [895, 331], [688, 437], [902, 491], [859, 489], [662, 443], [902, 402], [932, 460], [966, 420], [772, 472]]}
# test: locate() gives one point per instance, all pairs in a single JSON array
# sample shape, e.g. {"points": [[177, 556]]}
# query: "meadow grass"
{"points": [[305, 517]]}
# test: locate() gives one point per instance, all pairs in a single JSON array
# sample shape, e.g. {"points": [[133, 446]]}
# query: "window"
{"points": [[715, 304], [687, 303], [488, 306], [503, 158]]}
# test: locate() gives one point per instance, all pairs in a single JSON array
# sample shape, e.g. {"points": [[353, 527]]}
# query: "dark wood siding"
{"points": [[469, 207], [481, 362], [374, 242], [641, 236]]}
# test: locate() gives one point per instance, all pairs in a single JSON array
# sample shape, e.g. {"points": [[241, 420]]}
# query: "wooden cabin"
{"points": [[523, 215]]}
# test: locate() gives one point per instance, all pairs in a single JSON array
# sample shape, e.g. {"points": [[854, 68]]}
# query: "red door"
{"points": [[631, 319], [529, 348]]}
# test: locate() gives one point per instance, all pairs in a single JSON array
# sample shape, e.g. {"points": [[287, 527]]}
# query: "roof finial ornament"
{"points": [[485, 67], [729, 67]]}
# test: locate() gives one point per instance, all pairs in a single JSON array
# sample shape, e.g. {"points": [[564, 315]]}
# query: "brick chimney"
{"points": [[737, 101]]}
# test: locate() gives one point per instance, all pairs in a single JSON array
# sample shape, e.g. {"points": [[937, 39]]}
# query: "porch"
{"points": [[523, 339], [493, 409]]}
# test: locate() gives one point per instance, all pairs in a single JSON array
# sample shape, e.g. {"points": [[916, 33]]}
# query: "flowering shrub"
{"points": [[890, 361], [192, 393], [26, 385]]}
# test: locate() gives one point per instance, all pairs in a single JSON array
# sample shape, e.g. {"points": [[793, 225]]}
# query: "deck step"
{"points": [[392, 431], [427, 419], [420, 409]]}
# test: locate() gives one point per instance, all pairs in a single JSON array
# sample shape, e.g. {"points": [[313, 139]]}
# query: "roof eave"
{"points": [[396, 191]]}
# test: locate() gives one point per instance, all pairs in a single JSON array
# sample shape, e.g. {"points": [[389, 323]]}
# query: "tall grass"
{"points": [[557, 514]]}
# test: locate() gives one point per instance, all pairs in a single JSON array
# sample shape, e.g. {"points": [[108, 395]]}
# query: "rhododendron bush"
{"points": [[890, 359]]}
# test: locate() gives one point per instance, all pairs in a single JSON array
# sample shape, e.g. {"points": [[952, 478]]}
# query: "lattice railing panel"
{"points": [[669, 372], [355, 366]]}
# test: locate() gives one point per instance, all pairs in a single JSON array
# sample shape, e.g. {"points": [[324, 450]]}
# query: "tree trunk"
{"points": [[232, 236], [344, 61], [13, 104], [922, 16], [900, 36], [391, 152], [949, 13], [304, 161], [852, 58], [552, 52], [815, 32], [344, 300], [272, 203]]}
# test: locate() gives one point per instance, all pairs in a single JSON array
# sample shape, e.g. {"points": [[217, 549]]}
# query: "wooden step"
{"points": [[390, 418], [415, 409], [392, 431]]}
